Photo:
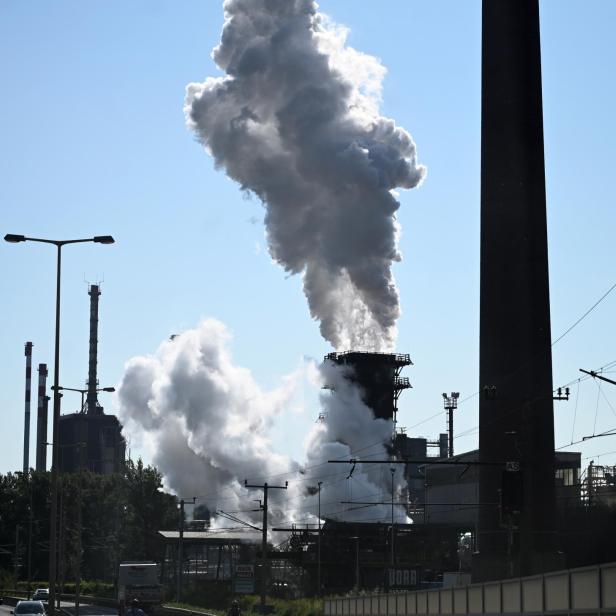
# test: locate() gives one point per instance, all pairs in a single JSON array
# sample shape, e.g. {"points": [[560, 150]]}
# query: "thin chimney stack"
{"points": [[92, 405], [41, 424], [28, 353]]}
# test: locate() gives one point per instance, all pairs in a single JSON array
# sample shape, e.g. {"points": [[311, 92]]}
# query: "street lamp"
{"points": [[83, 392], [14, 239], [451, 404]]}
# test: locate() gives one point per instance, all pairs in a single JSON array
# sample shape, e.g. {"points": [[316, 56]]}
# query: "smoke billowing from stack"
{"points": [[206, 424], [295, 121]]}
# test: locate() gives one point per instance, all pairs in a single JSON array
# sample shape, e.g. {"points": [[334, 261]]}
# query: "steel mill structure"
{"points": [[378, 377], [91, 439]]}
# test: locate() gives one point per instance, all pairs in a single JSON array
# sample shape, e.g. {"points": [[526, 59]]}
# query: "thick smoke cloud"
{"points": [[295, 121], [204, 422]]}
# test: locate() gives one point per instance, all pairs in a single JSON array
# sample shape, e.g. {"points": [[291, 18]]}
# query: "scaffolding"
{"points": [[378, 376], [598, 485]]}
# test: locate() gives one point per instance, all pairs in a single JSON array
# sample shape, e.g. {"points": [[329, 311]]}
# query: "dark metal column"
{"points": [[41, 420], [92, 398], [515, 372], [28, 354]]}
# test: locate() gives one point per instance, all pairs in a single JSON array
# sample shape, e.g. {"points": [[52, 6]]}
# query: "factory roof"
{"points": [[213, 536], [401, 359]]}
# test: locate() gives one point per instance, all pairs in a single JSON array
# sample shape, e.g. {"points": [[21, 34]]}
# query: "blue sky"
{"points": [[94, 142]]}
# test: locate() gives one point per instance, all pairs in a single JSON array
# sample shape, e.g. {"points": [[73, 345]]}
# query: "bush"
{"points": [[282, 607], [94, 588]]}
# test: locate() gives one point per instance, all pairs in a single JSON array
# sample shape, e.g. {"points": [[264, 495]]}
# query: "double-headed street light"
{"points": [[15, 239], [83, 392]]}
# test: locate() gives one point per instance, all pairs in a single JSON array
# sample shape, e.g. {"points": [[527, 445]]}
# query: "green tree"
{"points": [[120, 519]]}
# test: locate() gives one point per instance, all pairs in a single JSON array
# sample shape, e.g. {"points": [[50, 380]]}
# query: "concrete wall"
{"points": [[588, 590]]}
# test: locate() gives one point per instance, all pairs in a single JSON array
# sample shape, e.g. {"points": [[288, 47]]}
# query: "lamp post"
{"points": [[83, 392], [451, 404], [14, 239]]}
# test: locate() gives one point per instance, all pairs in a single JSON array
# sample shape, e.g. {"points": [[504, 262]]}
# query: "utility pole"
{"points": [[181, 549], [596, 375], [30, 520], [392, 470], [16, 563], [320, 483], [451, 404], [60, 563], [356, 538], [79, 548], [79, 527], [265, 487]]}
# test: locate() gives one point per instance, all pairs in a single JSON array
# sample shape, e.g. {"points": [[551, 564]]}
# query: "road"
{"points": [[84, 609]]}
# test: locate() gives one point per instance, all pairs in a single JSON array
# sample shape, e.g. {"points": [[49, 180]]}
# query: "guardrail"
{"points": [[12, 599], [167, 610], [162, 610], [573, 591]]}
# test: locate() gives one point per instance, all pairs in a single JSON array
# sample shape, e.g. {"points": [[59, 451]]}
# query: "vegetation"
{"points": [[120, 519], [282, 607]]}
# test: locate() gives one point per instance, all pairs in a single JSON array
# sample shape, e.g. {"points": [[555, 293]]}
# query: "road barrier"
{"points": [[12, 599], [587, 590], [165, 610]]}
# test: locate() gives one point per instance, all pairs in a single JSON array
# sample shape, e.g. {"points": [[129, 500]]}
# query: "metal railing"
{"points": [[572, 591]]}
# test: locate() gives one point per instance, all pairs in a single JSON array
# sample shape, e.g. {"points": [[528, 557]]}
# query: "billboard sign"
{"points": [[244, 579], [401, 578]]}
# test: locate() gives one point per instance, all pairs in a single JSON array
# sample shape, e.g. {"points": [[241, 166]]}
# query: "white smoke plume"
{"points": [[350, 430], [204, 422], [295, 121]]}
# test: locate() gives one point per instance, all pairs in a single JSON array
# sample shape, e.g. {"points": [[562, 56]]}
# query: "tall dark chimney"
{"points": [[515, 368], [28, 354], [92, 405], [41, 419]]}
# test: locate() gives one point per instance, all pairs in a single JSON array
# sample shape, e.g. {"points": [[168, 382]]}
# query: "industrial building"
{"points": [[92, 442], [208, 555], [450, 493], [91, 439], [378, 377]]}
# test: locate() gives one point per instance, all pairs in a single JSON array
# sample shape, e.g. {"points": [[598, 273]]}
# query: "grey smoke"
{"points": [[295, 121], [205, 423]]}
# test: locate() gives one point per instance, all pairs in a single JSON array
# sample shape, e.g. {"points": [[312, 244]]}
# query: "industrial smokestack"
{"points": [[516, 423], [41, 423], [28, 353], [92, 405]]}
